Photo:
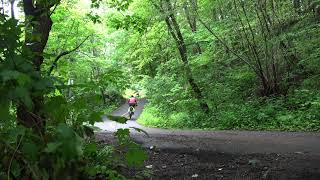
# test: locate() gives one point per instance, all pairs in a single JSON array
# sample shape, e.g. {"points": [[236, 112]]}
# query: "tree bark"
{"points": [[175, 32], [315, 7], [41, 26], [192, 21], [2, 7], [12, 8]]}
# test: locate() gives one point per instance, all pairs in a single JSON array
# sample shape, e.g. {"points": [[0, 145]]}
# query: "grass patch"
{"points": [[150, 117], [279, 114]]}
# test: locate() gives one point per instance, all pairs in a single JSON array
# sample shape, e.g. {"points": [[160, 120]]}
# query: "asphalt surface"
{"points": [[217, 141]]}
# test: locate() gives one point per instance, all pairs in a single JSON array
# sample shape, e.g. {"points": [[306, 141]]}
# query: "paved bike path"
{"points": [[219, 141]]}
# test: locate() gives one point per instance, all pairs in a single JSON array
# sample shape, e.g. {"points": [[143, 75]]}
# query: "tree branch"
{"points": [[54, 64], [2, 7], [225, 44], [54, 9]]}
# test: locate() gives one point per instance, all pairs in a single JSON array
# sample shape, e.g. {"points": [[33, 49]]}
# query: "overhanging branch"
{"points": [[54, 9], [226, 45], [54, 64]]}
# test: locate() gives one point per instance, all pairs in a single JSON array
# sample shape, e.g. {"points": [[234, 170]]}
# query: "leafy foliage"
{"points": [[246, 57], [47, 105], [224, 64]]}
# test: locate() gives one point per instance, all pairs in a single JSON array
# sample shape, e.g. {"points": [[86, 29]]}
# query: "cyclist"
{"points": [[132, 101]]}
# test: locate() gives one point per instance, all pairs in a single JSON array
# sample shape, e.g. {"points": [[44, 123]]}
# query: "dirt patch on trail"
{"points": [[243, 155], [188, 164], [192, 163]]}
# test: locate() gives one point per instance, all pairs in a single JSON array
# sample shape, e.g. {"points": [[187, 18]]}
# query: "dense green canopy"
{"points": [[220, 64]]}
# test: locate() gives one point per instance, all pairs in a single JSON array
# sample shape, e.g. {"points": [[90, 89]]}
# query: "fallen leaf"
{"points": [[149, 167], [195, 176]]}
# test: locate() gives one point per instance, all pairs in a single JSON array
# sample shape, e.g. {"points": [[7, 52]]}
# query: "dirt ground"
{"points": [[230, 155], [194, 163], [189, 164]]}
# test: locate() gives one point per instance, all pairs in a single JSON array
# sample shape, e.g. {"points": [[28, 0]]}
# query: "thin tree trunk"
{"points": [[192, 21], [12, 8], [174, 30], [2, 7], [103, 96]]}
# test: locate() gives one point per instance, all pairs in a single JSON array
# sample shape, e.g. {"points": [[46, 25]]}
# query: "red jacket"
{"points": [[132, 100]]}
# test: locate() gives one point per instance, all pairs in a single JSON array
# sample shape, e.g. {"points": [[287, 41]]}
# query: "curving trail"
{"points": [[185, 154], [217, 141]]}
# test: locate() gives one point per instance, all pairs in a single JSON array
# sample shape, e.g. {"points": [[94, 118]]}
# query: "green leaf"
{"points": [[43, 84], [114, 175], [118, 119], [16, 132], [80, 103], [4, 111], [91, 148], [52, 147], [135, 157], [16, 169], [23, 95], [30, 150], [65, 131], [56, 108], [9, 75], [122, 133], [23, 79], [95, 117]]}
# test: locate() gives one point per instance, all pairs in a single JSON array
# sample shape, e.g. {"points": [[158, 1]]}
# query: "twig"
{"points": [[35, 124], [225, 45], [54, 9], [54, 64], [11, 160], [20, 156]]}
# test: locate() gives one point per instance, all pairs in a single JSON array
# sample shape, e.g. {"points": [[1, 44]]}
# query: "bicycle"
{"points": [[131, 111]]}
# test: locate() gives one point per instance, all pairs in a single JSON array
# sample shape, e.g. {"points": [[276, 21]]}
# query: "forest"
{"points": [[200, 64]]}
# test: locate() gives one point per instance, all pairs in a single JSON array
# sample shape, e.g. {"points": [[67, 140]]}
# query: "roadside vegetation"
{"points": [[56, 80], [223, 64], [228, 64]]}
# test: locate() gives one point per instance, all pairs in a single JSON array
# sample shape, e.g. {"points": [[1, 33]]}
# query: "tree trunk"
{"points": [[315, 7], [2, 7], [174, 30], [192, 21], [12, 8], [103, 96], [32, 118]]}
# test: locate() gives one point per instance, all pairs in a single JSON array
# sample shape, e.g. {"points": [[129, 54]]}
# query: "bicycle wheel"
{"points": [[130, 115]]}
